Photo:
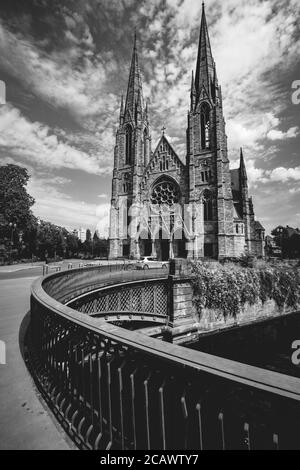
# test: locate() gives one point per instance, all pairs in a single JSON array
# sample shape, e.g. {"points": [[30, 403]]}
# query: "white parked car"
{"points": [[147, 262]]}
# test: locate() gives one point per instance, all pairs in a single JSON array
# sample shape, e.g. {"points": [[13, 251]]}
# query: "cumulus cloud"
{"points": [[70, 80], [255, 45], [60, 208], [280, 174], [285, 174], [255, 175], [85, 85], [243, 132], [276, 134], [55, 77], [250, 39], [36, 143]]}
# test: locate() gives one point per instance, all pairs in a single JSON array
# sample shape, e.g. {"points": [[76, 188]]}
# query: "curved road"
{"points": [[26, 424]]}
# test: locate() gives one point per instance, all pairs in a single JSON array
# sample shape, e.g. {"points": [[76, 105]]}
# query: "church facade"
{"points": [[165, 208]]}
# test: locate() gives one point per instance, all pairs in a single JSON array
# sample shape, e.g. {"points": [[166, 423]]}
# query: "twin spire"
{"points": [[205, 75], [205, 68], [134, 102]]}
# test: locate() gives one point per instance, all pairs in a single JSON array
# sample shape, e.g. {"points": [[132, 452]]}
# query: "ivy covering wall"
{"points": [[226, 289]]}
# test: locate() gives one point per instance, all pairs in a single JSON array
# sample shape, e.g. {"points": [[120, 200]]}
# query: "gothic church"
{"points": [[219, 222]]}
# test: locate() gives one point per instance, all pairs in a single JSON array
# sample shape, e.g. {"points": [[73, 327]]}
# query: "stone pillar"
{"points": [[182, 316], [138, 252], [198, 229], [153, 252]]}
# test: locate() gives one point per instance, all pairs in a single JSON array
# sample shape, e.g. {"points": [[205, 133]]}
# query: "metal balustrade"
{"points": [[111, 388], [135, 300]]}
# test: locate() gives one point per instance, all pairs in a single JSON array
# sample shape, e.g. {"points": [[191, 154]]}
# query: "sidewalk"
{"points": [[19, 267], [25, 423], [75, 262]]}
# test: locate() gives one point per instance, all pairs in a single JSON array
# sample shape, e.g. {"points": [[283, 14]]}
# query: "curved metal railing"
{"points": [[133, 300], [114, 388]]}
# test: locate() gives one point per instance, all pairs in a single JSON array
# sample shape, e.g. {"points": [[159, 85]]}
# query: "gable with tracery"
{"points": [[164, 161]]}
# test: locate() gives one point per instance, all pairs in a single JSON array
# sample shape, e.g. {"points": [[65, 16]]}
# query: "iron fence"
{"points": [[146, 300], [116, 389]]}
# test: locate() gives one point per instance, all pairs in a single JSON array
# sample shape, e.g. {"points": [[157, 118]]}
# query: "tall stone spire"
{"points": [[134, 97], [122, 109], [193, 92], [205, 73], [243, 172]]}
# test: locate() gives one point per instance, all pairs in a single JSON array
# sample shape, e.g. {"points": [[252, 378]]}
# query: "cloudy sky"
{"points": [[66, 63]]}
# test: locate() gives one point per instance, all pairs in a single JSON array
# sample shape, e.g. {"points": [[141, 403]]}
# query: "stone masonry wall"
{"points": [[186, 324]]}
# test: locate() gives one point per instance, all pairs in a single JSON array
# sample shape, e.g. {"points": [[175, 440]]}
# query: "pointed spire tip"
{"points": [[243, 171], [134, 97], [205, 62], [134, 38]]}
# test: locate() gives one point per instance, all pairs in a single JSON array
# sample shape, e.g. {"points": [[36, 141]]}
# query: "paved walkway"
{"points": [[25, 421], [11, 268]]}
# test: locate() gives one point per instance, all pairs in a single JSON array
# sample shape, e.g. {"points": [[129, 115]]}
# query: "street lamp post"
{"points": [[12, 227]]}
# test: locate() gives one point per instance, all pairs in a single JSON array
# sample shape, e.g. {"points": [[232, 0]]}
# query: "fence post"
{"points": [[167, 333]]}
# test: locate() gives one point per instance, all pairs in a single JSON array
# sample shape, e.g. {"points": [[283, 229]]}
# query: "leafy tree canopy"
{"points": [[15, 202], [88, 235]]}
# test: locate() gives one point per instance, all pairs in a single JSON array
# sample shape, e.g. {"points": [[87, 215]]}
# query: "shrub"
{"points": [[228, 288]]}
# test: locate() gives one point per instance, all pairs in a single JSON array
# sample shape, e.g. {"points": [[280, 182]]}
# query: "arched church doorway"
{"points": [[165, 250], [146, 247]]}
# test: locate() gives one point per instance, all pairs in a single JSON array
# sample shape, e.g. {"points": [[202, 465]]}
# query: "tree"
{"points": [[15, 202], [72, 245], [295, 245], [88, 235], [88, 244], [51, 240], [21, 234], [95, 236], [100, 246], [288, 239], [17, 221]]}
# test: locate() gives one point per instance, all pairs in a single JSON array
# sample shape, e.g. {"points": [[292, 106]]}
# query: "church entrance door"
{"points": [[208, 250], [164, 244], [147, 248]]}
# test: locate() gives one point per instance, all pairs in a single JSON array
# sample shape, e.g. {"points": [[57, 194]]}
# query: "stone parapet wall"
{"points": [[186, 324]]}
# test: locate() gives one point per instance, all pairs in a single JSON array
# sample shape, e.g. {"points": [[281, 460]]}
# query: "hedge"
{"points": [[227, 289]]}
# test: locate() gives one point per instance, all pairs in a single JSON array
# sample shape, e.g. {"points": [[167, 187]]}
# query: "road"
{"points": [[26, 424]]}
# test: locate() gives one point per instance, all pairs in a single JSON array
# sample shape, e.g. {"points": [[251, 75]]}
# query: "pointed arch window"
{"points": [[128, 147], [205, 126], [207, 205]]}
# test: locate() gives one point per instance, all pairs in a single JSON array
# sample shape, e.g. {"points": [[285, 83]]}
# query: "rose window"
{"points": [[165, 193]]}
